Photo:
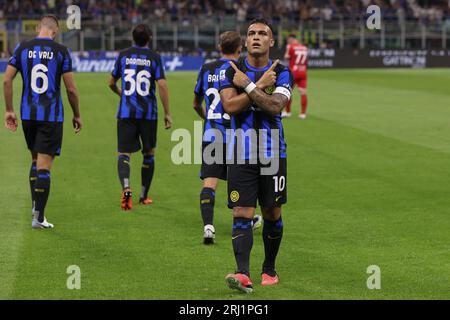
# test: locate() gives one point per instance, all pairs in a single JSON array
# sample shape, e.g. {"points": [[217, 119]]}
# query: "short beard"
{"points": [[258, 54]]}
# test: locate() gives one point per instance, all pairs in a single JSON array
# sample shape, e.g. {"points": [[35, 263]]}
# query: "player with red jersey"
{"points": [[297, 54]]}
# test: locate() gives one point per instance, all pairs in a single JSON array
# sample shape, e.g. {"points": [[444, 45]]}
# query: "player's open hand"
{"points": [[269, 77], [240, 79], [11, 121], [167, 121], [77, 124]]}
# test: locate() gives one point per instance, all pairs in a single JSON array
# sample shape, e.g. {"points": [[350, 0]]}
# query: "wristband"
{"points": [[251, 86]]}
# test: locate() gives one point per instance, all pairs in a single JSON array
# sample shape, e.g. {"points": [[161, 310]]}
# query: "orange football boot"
{"points": [[239, 281], [268, 280], [127, 201], [146, 201]]}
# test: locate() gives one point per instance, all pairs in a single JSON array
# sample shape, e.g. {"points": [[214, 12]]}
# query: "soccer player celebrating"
{"points": [[140, 68], [252, 108], [41, 62], [297, 54], [216, 123]]}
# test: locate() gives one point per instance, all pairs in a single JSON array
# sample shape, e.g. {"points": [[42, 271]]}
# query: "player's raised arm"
{"points": [[232, 101], [163, 91], [272, 104], [10, 115], [72, 95]]}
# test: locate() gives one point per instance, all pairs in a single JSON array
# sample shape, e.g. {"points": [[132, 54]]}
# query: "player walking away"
{"points": [[41, 62], [252, 108], [297, 54], [139, 68], [216, 122]]}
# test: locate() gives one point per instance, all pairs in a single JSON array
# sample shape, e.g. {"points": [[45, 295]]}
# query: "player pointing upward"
{"points": [[256, 108], [216, 123], [297, 54], [41, 62], [140, 70]]}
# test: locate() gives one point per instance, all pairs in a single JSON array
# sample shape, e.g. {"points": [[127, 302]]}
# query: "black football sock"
{"points": [[272, 234], [148, 168], [33, 178], [207, 199], [41, 192], [242, 239], [123, 165]]}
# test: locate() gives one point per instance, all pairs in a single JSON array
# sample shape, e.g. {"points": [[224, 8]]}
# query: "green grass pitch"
{"points": [[368, 184]]}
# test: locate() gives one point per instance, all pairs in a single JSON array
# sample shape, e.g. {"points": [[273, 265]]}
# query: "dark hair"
{"points": [[51, 16], [142, 34], [262, 21], [292, 35], [230, 41]]}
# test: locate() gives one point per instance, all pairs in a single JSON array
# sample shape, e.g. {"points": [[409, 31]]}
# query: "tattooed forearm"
{"points": [[272, 104]]}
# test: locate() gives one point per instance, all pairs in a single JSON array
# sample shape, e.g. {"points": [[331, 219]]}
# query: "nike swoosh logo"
{"points": [[271, 238], [239, 235], [278, 198]]}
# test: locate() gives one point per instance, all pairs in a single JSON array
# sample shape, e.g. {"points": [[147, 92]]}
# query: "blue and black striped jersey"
{"points": [[41, 62], [139, 68], [253, 117], [207, 87]]}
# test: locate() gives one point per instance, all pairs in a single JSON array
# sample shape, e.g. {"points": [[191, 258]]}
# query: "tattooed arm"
{"points": [[272, 104]]}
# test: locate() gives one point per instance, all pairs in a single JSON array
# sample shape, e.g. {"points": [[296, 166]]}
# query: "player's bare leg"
{"points": [[303, 102], [147, 171], [272, 235], [41, 191], [123, 164], [242, 239]]}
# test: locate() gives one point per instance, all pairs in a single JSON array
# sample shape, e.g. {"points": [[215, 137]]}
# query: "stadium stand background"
{"points": [[191, 27]]}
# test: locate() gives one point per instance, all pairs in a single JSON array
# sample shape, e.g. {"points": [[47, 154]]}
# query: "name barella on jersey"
{"points": [[41, 62], [253, 118], [207, 87], [139, 68]]}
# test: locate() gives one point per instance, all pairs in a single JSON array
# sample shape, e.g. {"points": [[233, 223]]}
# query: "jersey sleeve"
{"points": [[159, 69], [283, 84], [15, 58], [116, 73], [226, 78], [67, 62], [198, 90]]}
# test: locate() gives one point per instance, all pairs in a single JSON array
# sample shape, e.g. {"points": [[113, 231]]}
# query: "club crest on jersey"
{"points": [[269, 90]]}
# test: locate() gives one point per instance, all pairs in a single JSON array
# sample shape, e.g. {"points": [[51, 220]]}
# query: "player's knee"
{"points": [[271, 213], [243, 212], [150, 152], [210, 183]]}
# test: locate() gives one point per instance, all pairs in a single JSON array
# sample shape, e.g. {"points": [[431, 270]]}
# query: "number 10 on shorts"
{"points": [[280, 183]]}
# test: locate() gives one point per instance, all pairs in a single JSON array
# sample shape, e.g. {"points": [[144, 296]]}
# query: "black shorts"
{"points": [[246, 184], [213, 170], [131, 132], [43, 136]]}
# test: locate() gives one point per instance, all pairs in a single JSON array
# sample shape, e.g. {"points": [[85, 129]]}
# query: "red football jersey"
{"points": [[298, 57]]}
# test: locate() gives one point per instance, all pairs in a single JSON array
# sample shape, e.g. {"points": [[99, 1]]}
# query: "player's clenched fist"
{"points": [[240, 79], [11, 121], [269, 77]]}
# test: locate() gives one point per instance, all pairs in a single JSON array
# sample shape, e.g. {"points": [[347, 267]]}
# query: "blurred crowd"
{"points": [[241, 10]]}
